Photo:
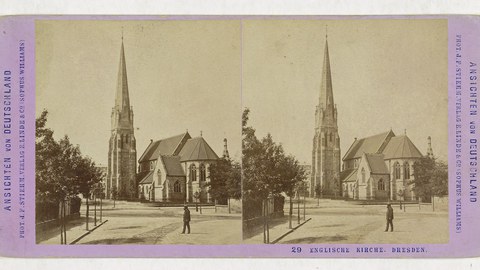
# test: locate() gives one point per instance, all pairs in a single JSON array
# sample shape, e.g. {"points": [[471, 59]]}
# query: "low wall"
{"points": [[235, 207], [440, 203]]}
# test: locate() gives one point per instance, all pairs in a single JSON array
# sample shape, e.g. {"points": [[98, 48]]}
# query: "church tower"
{"points": [[122, 153], [225, 149], [326, 141], [429, 149]]}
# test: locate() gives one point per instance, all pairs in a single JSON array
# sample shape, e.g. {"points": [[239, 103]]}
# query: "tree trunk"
{"points": [[268, 225], [433, 203], [290, 214], [101, 201], [298, 209], [95, 210], [304, 201], [61, 224], [64, 224], [264, 223], [229, 210], [86, 215]]}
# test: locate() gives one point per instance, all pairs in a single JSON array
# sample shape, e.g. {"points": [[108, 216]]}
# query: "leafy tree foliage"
{"points": [[225, 180], [431, 178], [61, 171], [267, 170]]}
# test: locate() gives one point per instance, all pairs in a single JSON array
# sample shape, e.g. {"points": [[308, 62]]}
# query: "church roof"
{"points": [[122, 100], [370, 144], [172, 165], [197, 149], [401, 147], [326, 91], [376, 163], [146, 177], [348, 175], [166, 146]]}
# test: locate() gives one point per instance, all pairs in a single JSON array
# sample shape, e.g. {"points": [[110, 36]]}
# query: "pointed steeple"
{"points": [[225, 149], [122, 100], [326, 92], [429, 149]]}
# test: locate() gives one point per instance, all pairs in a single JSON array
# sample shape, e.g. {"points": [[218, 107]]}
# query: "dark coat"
{"points": [[186, 215], [390, 213]]}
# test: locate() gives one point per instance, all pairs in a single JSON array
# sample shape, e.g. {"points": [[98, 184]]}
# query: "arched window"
{"points": [[406, 170], [396, 171], [203, 173], [177, 187], [331, 136], [193, 173], [363, 175], [126, 139], [381, 184]]}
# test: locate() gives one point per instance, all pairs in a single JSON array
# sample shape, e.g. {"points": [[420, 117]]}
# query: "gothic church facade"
{"points": [[325, 170], [122, 153]]}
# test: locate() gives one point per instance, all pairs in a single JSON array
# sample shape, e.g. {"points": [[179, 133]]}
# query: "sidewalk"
{"points": [[211, 232], [75, 229], [278, 227]]}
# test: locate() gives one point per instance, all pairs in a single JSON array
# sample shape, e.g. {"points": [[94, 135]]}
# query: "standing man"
{"points": [[389, 217], [186, 219]]}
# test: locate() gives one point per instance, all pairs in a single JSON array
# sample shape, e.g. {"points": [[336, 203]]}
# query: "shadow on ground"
{"points": [[258, 229], [316, 240]]}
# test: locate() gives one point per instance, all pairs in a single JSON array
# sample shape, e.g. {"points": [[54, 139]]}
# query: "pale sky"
{"points": [[385, 73], [188, 75], [181, 75]]}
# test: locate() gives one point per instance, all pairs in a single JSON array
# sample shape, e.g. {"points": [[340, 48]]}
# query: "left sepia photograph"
{"points": [[138, 132]]}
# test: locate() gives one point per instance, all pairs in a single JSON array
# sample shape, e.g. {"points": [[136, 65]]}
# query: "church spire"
{"points": [[429, 149], [122, 100], [225, 149], [326, 92]]}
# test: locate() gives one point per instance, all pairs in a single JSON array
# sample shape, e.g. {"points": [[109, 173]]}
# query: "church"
{"points": [[171, 169], [176, 169], [122, 153], [325, 170], [380, 167]]}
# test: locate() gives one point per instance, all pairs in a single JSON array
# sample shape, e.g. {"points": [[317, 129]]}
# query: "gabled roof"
{"points": [[147, 179], [172, 165], [376, 163], [401, 147], [349, 175], [122, 100], [197, 149], [372, 144], [168, 146]]}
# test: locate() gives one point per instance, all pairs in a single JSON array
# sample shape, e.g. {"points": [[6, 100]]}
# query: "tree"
{"points": [[318, 192], [225, 181], [430, 178], [267, 172], [61, 171], [114, 195]]}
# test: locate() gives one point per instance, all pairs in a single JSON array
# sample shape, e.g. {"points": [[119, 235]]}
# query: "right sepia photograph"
{"points": [[344, 130]]}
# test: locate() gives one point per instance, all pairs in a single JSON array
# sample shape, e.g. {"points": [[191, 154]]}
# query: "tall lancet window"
{"points": [[193, 173], [203, 173], [396, 171], [381, 184], [363, 175], [177, 187], [406, 170]]}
